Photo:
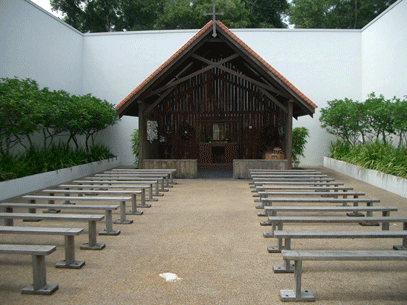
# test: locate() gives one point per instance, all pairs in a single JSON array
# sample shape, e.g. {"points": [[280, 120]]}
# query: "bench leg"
{"points": [[33, 211], [92, 244], [150, 194], [70, 261], [280, 246], [9, 222], [273, 228], [157, 189], [297, 295], [403, 246], [123, 219], [134, 206], [51, 211], [39, 285], [355, 213], [162, 189], [143, 200], [109, 225]]}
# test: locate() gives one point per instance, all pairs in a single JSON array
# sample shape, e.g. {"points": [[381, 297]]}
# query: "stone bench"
{"points": [[106, 180], [288, 235], [91, 219], [80, 193], [298, 256], [288, 176], [171, 172], [344, 194], [281, 183], [92, 187], [121, 184], [354, 210], [55, 208], [108, 208], [342, 201], [68, 233], [262, 188], [162, 178], [278, 221], [38, 253]]}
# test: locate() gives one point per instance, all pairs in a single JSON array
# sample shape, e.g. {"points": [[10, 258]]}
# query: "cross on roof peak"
{"points": [[214, 13]]}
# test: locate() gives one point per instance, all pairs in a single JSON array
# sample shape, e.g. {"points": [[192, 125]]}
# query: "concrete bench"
{"points": [[113, 187], [344, 194], [298, 256], [162, 178], [108, 208], [121, 184], [91, 219], [105, 180], [342, 201], [171, 172], [38, 253], [354, 210], [80, 193], [291, 184], [262, 188], [288, 235], [288, 176], [55, 208], [68, 233], [278, 221]]}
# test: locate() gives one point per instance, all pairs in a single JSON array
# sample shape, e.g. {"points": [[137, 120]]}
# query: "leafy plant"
{"points": [[135, 146], [299, 140]]}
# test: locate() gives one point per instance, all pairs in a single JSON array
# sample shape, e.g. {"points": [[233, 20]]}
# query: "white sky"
{"points": [[45, 4]]}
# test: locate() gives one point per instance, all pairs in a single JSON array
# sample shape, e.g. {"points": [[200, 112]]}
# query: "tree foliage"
{"points": [[374, 119], [129, 15], [26, 110], [335, 14]]}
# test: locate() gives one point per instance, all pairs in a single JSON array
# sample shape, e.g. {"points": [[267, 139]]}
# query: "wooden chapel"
{"points": [[215, 100]]}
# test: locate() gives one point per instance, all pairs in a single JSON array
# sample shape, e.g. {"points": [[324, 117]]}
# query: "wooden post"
{"points": [[289, 136], [142, 126]]}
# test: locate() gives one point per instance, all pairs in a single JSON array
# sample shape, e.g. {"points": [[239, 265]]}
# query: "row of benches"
{"points": [[91, 189], [298, 187]]}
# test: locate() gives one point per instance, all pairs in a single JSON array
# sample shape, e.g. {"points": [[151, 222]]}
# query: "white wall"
{"points": [[384, 53], [34, 44]]}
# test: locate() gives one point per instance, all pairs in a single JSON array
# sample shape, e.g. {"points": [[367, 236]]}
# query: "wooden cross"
{"points": [[214, 18]]}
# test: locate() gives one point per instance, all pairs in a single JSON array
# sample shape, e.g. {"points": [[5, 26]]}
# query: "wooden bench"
{"points": [[55, 208], [104, 180], [354, 210], [146, 170], [121, 184], [103, 192], [38, 253], [108, 208], [278, 221], [91, 219], [163, 179], [298, 256], [343, 201], [68, 233], [288, 235], [113, 187]]}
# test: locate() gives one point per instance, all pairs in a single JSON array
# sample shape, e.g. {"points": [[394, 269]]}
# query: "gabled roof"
{"points": [[180, 64]]}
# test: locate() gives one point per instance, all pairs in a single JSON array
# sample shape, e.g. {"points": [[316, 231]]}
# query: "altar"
{"points": [[217, 155]]}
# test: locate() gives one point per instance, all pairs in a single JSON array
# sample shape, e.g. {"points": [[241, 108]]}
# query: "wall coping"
{"points": [[19, 186], [387, 182]]}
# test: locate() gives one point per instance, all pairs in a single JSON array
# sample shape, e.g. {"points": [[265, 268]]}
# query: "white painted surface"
{"points": [[170, 277], [387, 182], [17, 187]]}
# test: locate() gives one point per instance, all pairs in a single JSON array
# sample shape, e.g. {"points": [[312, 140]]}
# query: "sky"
{"points": [[46, 6]]}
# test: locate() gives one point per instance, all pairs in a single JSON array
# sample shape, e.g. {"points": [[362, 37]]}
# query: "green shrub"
{"points": [[135, 146], [299, 140]]}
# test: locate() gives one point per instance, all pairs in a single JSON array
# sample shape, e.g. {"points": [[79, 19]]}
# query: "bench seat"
{"points": [[88, 180], [298, 256], [91, 219], [277, 221], [38, 253], [159, 180], [68, 233]]}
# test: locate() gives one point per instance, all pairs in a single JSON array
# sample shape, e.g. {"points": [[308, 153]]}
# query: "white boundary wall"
{"points": [[323, 64], [387, 182]]}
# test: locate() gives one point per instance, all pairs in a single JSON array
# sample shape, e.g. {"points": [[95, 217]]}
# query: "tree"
{"points": [[266, 13], [341, 14]]}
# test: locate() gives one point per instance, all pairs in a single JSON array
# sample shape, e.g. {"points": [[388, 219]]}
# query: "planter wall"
{"points": [[17, 187], [241, 167], [186, 168], [390, 183]]}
